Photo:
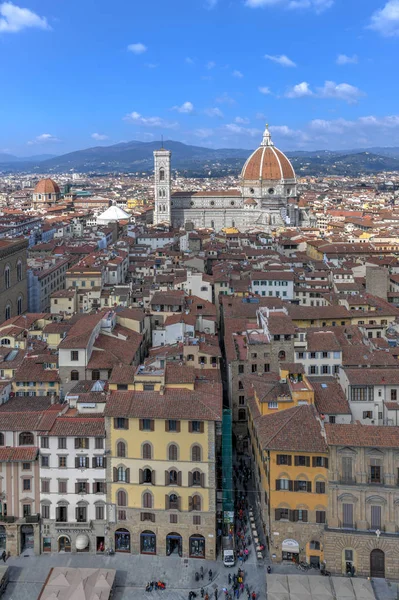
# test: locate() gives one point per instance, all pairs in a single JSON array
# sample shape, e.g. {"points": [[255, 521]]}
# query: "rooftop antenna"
{"points": [[162, 142]]}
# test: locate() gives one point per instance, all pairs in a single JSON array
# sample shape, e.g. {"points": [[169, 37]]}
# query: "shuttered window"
{"points": [[347, 473], [347, 515], [376, 517]]}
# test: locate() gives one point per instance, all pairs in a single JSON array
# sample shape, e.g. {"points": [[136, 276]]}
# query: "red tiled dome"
{"points": [[47, 186], [267, 163]]}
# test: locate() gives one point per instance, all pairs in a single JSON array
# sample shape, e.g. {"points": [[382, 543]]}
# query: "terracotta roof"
{"points": [[284, 429], [267, 163], [123, 374], [79, 426], [204, 405], [356, 434], [176, 373], [30, 370], [25, 454], [46, 186], [322, 341], [373, 376], [329, 397]]}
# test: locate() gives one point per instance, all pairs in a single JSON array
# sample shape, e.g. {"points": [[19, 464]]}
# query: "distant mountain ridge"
{"points": [[136, 156]]}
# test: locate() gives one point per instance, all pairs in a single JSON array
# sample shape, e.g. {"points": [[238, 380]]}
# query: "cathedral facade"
{"points": [[266, 197]]}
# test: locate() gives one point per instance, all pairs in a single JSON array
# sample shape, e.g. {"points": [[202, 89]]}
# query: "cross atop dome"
{"points": [[267, 140]]}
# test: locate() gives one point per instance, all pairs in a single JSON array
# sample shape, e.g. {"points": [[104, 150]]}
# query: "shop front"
{"points": [[290, 551], [27, 538], [64, 543], [174, 544], [3, 538], [122, 540], [197, 546], [148, 542]]}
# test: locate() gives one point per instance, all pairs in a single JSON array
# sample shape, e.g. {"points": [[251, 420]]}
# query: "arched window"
{"points": [[173, 502], [19, 305], [1, 439], [196, 453], [164, 195], [160, 193], [172, 477], [121, 449], [121, 498], [281, 355], [74, 375], [196, 478], [121, 474], [196, 500], [161, 174], [19, 270], [26, 438], [242, 415], [8, 312], [7, 277], [147, 500], [173, 452], [147, 451], [147, 476], [5, 342]]}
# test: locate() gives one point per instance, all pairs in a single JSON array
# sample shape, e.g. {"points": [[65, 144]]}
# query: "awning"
{"points": [[290, 546], [82, 541]]}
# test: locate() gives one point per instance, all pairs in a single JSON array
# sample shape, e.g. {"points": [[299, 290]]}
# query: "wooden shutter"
{"points": [[203, 480], [190, 503], [104, 462], [308, 486], [375, 517], [126, 423], [167, 425], [93, 462], [77, 463], [141, 424], [314, 461], [177, 426], [179, 478], [179, 503], [167, 478], [277, 515], [152, 424], [289, 460], [76, 488], [296, 486], [142, 517], [290, 485], [326, 463], [141, 476], [347, 468], [76, 443], [127, 475], [202, 426], [153, 477], [190, 479], [153, 518], [307, 461], [296, 461], [305, 516], [116, 423], [293, 515], [76, 513], [115, 471], [278, 484], [87, 462], [167, 502], [347, 513], [190, 426]]}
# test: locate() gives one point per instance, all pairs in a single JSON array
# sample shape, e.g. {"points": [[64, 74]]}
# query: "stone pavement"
{"points": [[27, 575]]}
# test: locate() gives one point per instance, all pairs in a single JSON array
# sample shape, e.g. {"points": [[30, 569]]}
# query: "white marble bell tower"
{"points": [[162, 208]]}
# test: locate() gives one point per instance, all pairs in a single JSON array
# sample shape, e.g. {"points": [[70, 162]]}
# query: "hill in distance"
{"points": [[199, 161]]}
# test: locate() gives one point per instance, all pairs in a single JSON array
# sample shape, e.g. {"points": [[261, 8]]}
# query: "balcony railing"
{"points": [[33, 518], [348, 480], [7, 519]]}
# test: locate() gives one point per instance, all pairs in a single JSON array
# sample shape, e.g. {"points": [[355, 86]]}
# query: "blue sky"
{"points": [[78, 73]]}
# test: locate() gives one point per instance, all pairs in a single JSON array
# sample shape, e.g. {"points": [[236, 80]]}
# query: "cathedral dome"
{"points": [[46, 186], [267, 163]]}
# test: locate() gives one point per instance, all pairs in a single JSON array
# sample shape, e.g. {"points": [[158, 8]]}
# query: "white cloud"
{"points": [[238, 130], [189, 61], [137, 48], [237, 74], [151, 65], [299, 91], [138, 119], [281, 59], [211, 3], [225, 99], [203, 133], [317, 6], [214, 112], [210, 64], [44, 138], [386, 20], [99, 137], [187, 108], [343, 59], [14, 19], [342, 91], [264, 90], [241, 120], [261, 116]]}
